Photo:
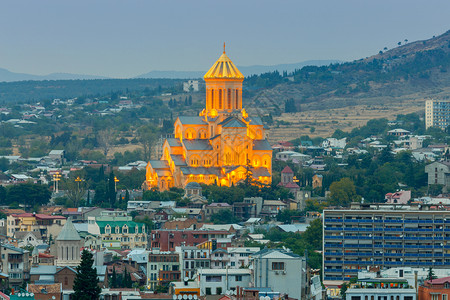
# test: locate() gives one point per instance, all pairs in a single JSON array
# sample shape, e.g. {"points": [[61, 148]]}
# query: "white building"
{"points": [[334, 143], [240, 256], [191, 85], [280, 270], [381, 288], [192, 259], [437, 113], [218, 281]]}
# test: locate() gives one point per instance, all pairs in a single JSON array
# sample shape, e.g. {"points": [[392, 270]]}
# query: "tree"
{"points": [[223, 216], [148, 134], [28, 193], [104, 140], [113, 279], [86, 281], [431, 275], [343, 192], [111, 189]]}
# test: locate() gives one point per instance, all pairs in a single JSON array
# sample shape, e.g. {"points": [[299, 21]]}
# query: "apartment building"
{"points": [[384, 236], [16, 263], [191, 259], [168, 240], [437, 113], [45, 225], [162, 268]]}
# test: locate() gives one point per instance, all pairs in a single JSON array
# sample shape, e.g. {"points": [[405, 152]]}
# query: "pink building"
{"points": [[400, 197]]}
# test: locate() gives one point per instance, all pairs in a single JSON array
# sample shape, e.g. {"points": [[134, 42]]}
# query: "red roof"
{"points": [[45, 255], [287, 170], [439, 280], [39, 216], [291, 185]]}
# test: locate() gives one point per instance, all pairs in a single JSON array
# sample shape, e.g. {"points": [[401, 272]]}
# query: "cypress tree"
{"points": [[86, 281]]}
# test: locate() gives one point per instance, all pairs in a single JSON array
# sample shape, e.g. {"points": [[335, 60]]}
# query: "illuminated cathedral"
{"points": [[222, 145]]}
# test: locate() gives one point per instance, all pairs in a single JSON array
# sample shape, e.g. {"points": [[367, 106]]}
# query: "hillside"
{"points": [[345, 96], [413, 71]]}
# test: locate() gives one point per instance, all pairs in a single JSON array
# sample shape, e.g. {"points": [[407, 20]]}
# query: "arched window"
{"points": [[237, 99], [117, 229], [66, 281], [212, 98], [220, 99], [229, 98], [125, 229]]}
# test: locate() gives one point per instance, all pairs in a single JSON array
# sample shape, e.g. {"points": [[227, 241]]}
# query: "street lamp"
{"points": [[56, 178], [116, 180]]}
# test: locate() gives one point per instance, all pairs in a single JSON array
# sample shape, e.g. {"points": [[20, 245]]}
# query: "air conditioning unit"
{"points": [[276, 272], [284, 272]]}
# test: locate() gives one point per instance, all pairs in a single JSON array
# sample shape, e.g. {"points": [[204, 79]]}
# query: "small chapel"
{"points": [[223, 145]]}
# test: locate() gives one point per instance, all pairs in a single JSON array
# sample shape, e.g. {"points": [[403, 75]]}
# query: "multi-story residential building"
{"points": [[240, 256], [381, 288], [162, 268], [439, 173], [218, 281], [118, 230], [437, 113], [220, 259], [168, 240], [281, 271], [384, 237], [16, 263], [46, 225], [192, 258]]}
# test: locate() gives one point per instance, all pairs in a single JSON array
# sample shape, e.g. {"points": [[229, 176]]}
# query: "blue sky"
{"points": [[128, 38]]}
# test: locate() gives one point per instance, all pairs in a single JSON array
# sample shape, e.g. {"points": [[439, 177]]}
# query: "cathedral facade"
{"points": [[222, 145]]}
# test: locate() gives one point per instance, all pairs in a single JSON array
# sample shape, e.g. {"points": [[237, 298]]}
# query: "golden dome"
{"points": [[224, 68]]}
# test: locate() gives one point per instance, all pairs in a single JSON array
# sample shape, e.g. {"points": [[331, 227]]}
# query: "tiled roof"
{"points": [[197, 145], [178, 160], [173, 142], [287, 169], [232, 122], [261, 145], [200, 171], [192, 120], [159, 164]]}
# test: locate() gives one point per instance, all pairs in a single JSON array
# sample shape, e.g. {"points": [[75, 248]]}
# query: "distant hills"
{"points": [[410, 72], [246, 70], [8, 76]]}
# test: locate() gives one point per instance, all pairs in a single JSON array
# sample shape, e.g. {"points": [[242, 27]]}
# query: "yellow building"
{"points": [[223, 145]]}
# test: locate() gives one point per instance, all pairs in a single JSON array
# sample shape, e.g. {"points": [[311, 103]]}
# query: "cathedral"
{"points": [[222, 145]]}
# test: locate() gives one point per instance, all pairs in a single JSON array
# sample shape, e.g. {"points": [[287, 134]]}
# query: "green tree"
{"points": [[28, 193], [224, 216], [85, 286], [431, 275], [343, 192]]}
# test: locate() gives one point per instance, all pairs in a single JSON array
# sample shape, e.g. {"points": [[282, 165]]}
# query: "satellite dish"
{"points": [[195, 297], [185, 297], [180, 297], [266, 298], [174, 297], [261, 298], [189, 296]]}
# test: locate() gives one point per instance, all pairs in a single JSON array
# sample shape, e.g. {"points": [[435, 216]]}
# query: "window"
{"points": [[229, 98], [208, 291], [277, 266], [213, 278], [219, 291], [444, 297], [446, 285], [238, 277], [237, 99]]}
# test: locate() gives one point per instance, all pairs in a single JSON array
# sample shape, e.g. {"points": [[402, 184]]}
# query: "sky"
{"points": [[127, 38]]}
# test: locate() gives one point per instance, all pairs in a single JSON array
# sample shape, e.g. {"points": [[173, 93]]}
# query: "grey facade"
{"points": [[439, 173], [354, 240], [280, 270]]}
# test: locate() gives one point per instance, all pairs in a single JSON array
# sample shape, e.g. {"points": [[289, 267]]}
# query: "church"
{"points": [[222, 145]]}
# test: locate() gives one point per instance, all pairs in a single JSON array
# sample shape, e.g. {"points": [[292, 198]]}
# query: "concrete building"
{"points": [[118, 230], [192, 258], [280, 270], [437, 113], [240, 256], [439, 173], [390, 236], [46, 225], [162, 268], [218, 281], [168, 240], [16, 263], [400, 197], [381, 288]]}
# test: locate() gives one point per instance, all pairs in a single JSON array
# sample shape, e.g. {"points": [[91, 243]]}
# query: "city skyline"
{"points": [[126, 39]]}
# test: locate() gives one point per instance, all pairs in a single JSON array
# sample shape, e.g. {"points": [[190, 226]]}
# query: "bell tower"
{"points": [[223, 87]]}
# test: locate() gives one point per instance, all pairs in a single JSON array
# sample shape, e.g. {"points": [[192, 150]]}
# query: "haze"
{"points": [[127, 38]]}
